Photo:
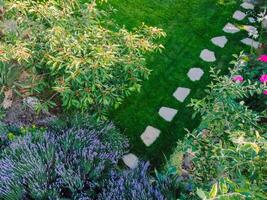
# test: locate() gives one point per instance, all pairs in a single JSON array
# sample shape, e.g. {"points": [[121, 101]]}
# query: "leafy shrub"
{"points": [[72, 164], [228, 151], [75, 49]]}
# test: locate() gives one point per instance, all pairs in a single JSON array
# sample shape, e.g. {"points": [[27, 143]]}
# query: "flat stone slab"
{"points": [[167, 113], [150, 135], [207, 55], [195, 74], [230, 28], [251, 42], [130, 160], [181, 93], [247, 6], [250, 29], [219, 41], [239, 15]]}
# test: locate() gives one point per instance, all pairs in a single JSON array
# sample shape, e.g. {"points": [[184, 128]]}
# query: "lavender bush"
{"points": [[71, 164], [138, 184], [76, 158]]}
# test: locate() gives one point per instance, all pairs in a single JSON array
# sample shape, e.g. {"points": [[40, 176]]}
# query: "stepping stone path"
{"points": [[219, 41], [150, 135], [167, 113], [251, 42], [195, 74], [230, 28], [247, 6], [207, 55], [239, 15], [181, 93], [130, 160]]}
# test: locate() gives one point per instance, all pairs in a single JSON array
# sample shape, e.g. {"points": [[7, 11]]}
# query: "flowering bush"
{"points": [[79, 161], [132, 184], [254, 65], [252, 69], [71, 164], [228, 151], [74, 49]]}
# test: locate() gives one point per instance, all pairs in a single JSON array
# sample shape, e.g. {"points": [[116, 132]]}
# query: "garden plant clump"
{"points": [[73, 54], [228, 151], [75, 163]]}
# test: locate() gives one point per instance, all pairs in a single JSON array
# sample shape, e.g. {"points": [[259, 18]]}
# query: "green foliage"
{"points": [[9, 133], [229, 150], [78, 51]]}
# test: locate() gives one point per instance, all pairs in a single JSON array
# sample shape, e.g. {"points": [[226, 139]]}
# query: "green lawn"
{"points": [[189, 26]]}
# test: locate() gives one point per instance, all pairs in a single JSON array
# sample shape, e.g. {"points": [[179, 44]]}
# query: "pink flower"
{"points": [[265, 92], [238, 79], [263, 58], [263, 78]]}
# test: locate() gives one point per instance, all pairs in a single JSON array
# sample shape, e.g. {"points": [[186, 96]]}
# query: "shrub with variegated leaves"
{"points": [[75, 53]]}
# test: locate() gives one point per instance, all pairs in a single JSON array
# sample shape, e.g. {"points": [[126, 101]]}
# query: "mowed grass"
{"points": [[189, 26]]}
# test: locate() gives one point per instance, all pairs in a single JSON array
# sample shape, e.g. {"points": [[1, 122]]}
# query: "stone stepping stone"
{"points": [[251, 42], [239, 15], [219, 41], [247, 6], [130, 160], [150, 135], [207, 55], [181, 93], [167, 113], [250, 29], [195, 74], [230, 28]]}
